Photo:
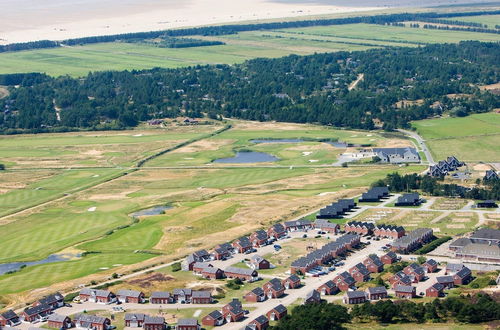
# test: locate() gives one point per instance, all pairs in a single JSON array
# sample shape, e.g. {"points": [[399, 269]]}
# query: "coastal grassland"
{"points": [[471, 138], [80, 60], [440, 326], [210, 206], [93, 149]]}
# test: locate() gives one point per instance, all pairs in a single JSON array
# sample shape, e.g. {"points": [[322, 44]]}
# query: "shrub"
{"points": [[432, 245], [176, 267], [70, 296]]}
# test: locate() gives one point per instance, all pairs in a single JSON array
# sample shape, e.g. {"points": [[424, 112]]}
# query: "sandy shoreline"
{"points": [[28, 20]]}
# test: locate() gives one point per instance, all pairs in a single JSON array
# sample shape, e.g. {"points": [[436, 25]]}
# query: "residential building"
{"points": [[411, 199], [161, 297], [260, 323], [55, 301], [430, 266], [212, 273], [277, 231], [436, 290], [242, 245], [375, 194], [259, 238], [413, 240], [373, 264], [154, 323], [405, 291], [9, 319], [397, 155], [354, 297], [488, 204], [452, 268], [134, 320], [213, 319], [59, 321], [201, 297], [312, 297], [389, 258], [233, 311], [360, 228], [94, 322], [360, 273], [292, 282], [344, 281], [389, 231], [447, 281], [326, 226], [97, 296], [298, 225], [36, 313], [274, 288], [415, 271], [328, 288], [257, 262], [241, 273], [463, 276], [256, 295], [188, 324], [377, 293], [130, 296], [182, 295], [277, 313]]}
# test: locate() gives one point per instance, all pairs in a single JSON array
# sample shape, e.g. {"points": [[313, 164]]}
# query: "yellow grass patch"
{"points": [[204, 145], [455, 226]]}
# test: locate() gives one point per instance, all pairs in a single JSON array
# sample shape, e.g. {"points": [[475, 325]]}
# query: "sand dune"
{"points": [[27, 20]]}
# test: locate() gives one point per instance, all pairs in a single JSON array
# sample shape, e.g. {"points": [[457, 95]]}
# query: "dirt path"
{"points": [[4, 92], [355, 83]]}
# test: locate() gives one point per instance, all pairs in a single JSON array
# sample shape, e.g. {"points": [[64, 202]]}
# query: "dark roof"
{"points": [[235, 303], [98, 293], [210, 270], [215, 314], [300, 222], [280, 308], [57, 318], [34, 310], [135, 316], [244, 242], [186, 292], [329, 284], [409, 198], [262, 235], [9, 315], [89, 318], [404, 288], [431, 262], [438, 286], [261, 319], [454, 267], [52, 299], [187, 322], [464, 272], [201, 253], [276, 284], [240, 271], [362, 224], [444, 279], [486, 233], [154, 320], [391, 254], [201, 294], [313, 294], [278, 227], [461, 242], [160, 294], [356, 294], [377, 290], [258, 291], [294, 278], [129, 293]]}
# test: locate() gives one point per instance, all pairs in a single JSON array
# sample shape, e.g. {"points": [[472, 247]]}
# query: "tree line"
{"points": [[477, 308], [435, 187], [301, 89], [235, 28]]}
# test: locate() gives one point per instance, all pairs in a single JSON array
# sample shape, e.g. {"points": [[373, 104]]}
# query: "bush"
{"points": [[176, 267], [70, 296], [2, 167], [432, 245]]}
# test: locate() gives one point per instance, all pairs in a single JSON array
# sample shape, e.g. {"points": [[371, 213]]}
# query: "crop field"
{"points": [[210, 203], [472, 138], [79, 60]]}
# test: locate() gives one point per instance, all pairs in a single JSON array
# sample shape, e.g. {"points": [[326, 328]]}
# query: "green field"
{"points": [[490, 20], [79, 60], [471, 138]]}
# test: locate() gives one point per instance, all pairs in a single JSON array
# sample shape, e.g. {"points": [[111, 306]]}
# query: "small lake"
{"points": [[338, 144], [157, 210], [4, 268], [248, 157]]}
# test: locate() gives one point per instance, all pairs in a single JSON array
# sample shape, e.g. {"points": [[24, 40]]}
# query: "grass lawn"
{"points": [[413, 326], [490, 20], [442, 203], [471, 138]]}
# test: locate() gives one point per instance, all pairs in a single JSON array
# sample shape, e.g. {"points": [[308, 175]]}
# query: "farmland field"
{"points": [[490, 20], [210, 203], [79, 60], [472, 138]]}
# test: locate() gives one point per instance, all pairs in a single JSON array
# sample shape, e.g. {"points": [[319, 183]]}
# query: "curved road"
{"points": [[421, 144]]}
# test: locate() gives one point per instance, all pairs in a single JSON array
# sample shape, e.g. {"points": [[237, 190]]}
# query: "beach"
{"points": [[29, 20]]}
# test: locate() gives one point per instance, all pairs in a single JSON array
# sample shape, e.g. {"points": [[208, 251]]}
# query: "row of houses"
{"points": [[337, 209], [443, 167], [378, 230], [181, 295], [410, 199], [413, 240], [325, 254], [39, 311], [456, 274], [275, 288], [375, 194]]}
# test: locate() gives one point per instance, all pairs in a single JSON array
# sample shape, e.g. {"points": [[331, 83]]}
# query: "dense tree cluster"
{"points": [[291, 89], [235, 28], [454, 22], [315, 317], [172, 42], [434, 186], [457, 28]]}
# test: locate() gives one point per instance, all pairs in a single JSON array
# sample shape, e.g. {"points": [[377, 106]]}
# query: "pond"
{"points": [[277, 141], [338, 144], [157, 210], [248, 157], [14, 266]]}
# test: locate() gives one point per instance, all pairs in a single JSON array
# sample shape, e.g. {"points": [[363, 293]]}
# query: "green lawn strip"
{"points": [[490, 20], [48, 274], [68, 182], [473, 125]]}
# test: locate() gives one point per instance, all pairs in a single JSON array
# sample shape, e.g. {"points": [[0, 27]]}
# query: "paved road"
{"points": [[421, 145]]}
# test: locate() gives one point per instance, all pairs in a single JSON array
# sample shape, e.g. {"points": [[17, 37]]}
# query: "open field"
{"points": [[79, 60], [471, 138], [490, 20], [414, 326], [210, 205], [442, 203]]}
